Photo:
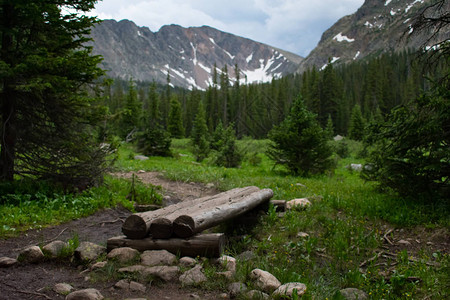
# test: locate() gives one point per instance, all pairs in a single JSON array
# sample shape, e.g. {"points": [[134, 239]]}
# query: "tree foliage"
{"points": [[300, 143], [47, 118]]}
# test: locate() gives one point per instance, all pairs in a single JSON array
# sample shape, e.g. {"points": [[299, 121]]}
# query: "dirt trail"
{"points": [[36, 281]]}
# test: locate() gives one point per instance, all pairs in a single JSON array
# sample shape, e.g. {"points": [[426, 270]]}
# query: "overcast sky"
{"points": [[293, 25]]}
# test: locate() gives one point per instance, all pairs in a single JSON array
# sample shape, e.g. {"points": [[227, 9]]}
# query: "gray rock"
{"points": [[255, 294], [137, 287], [166, 273], [288, 290], [62, 288], [353, 294], [87, 294], [31, 254], [228, 262], [193, 276], [122, 284], [246, 256], [123, 255], [236, 288], [140, 157], [264, 280], [132, 269], [54, 248], [98, 265], [187, 261], [88, 251], [158, 258], [6, 262], [303, 235], [298, 204]]}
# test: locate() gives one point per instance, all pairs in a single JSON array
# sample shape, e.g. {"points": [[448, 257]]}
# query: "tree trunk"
{"points": [[137, 226], [187, 225], [205, 245]]}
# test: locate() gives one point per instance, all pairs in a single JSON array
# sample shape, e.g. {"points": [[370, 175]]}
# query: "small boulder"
{"points": [[289, 288], [140, 157], [255, 294], [87, 294], [166, 273], [301, 203], [228, 262], [122, 284], [62, 288], [6, 262], [246, 255], [88, 251], [302, 235], [54, 248], [132, 269], [193, 276], [158, 258], [137, 287], [236, 288], [123, 255], [353, 294], [187, 261], [264, 280], [31, 254], [98, 265]]}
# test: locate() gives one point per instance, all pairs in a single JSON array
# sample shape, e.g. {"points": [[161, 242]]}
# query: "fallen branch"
{"points": [[14, 290], [386, 238], [371, 259], [51, 240]]}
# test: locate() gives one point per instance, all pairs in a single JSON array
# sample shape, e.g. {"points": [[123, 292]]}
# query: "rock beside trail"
{"points": [[31, 254], [289, 289], [87, 294], [158, 258], [353, 294], [236, 288], [193, 276], [54, 248], [88, 251], [255, 294], [123, 255], [187, 261], [130, 285], [62, 288], [6, 262], [264, 280], [166, 273], [301, 203]]}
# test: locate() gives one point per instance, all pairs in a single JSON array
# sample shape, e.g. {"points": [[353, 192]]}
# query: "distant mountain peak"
{"points": [[187, 54]]}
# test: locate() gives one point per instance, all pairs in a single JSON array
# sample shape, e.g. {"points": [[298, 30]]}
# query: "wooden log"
{"points": [[205, 245], [188, 225], [162, 227], [137, 225]]}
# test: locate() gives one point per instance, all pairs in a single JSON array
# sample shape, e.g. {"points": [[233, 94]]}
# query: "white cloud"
{"points": [[294, 25]]}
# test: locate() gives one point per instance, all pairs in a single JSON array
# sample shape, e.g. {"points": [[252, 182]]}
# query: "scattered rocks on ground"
{"points": [[87, 294], [132, 269], [236, 288], [301, 203], [166, 273], [193, 276], [6, 262], [158, 258], [31, 254], [264, 280], [289, 288], [54, 248], [353, 294], [63, 288], [123, 255], [130, 285], [88, 251], [187, 261]]}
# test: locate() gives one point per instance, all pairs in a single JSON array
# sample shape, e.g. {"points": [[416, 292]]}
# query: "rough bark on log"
{"points": [[205, 245], [137, 225], [188, 225], [162, 227]]}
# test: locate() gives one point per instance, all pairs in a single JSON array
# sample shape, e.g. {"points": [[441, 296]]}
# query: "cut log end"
{"points": [[184, 226], [135, 227], [161, 228]]}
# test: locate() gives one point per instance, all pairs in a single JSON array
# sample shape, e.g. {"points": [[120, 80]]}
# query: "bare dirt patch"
{"points": [[27, 281]]}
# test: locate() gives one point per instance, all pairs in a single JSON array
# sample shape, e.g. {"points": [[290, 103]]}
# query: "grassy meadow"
{"points": [[353, 228]]}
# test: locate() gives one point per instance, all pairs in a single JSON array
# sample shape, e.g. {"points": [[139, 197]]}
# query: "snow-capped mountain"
{"points": [[187, 54], [377, 26]]}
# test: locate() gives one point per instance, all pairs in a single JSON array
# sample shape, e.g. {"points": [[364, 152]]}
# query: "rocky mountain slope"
{"points": [[377, 26], [188, 54]]}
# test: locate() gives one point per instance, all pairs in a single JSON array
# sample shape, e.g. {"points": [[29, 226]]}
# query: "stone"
{"points": [[255, 294], [87, 294], [158, 258], [338, 138], [187, 261], [353, 294], [6, 262], [303, 235], [140, 157], [210, 185], [123, 255], [88, 251], [246, 255], [137, 287], [404, 242], [236, 288], [355, 167], [54, 248], [193, 276], [228, 262], [122, 284], [166, 273], [31, 254], [288, 290], [264, 280], [62, 288], [132, 269], [98, 265], [301, 203]]}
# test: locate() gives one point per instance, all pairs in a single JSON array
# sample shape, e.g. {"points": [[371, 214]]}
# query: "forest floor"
{"points": [[36, 281]]}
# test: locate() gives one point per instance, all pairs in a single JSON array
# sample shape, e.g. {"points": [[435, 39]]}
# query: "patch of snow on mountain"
{"points": [[182, 51], [357, 55], [340, 38], [212, 41], [406, 21], [208, 70], [393, 13], [334, 59], [139, 33], [412, 4], [261, 74], [178, 73], [387, 2], [249, 58], [368, 24], [228, 53], [195, 54]]}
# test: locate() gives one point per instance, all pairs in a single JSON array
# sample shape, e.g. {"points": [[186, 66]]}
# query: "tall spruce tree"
{"points": [[200, 138], [357, 124], [175, 121], [46, 115]]}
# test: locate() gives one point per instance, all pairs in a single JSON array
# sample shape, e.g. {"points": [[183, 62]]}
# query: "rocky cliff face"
{"points": [[378, 26], [188, 54]]}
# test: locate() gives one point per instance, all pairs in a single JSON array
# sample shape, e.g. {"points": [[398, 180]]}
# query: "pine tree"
{"points": [[329, 129], [46, 114], [132, 113], [357, 124], [228, 154], [299, 142], [175, 121], [200, 138]]}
